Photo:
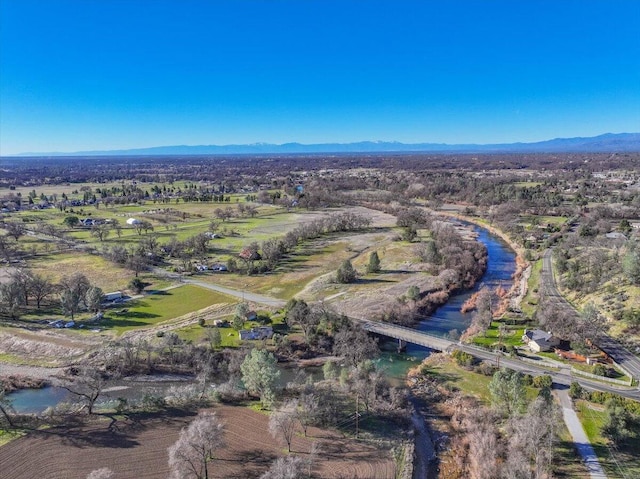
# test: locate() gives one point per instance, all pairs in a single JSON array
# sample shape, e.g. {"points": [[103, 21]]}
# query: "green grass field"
{"points": [[512, 337], [164, 306], [228, 335], [618, 462]]}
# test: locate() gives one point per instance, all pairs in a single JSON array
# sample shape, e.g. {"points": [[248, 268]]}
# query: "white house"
{"points": [[539, 340]]}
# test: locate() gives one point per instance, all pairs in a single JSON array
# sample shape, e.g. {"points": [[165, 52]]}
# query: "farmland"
{"points": [[135, 447], [197, 261]]}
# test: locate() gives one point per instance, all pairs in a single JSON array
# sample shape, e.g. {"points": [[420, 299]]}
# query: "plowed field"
{"points": [[139, 450]]}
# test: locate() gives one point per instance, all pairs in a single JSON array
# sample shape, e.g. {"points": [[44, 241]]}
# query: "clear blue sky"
{"points": [[106, 74]]}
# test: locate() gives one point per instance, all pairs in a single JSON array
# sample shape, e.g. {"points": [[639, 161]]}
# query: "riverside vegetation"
{"points": [[349, 236]]}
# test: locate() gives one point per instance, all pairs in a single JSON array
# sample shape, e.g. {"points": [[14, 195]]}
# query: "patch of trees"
{"points": [[266, 256], [585, 264], [564, 323], [25, 288], [512, 439], [325, 332]]}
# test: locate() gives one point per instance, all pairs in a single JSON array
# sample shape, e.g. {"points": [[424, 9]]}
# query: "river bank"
{"points": [[519, 288]]}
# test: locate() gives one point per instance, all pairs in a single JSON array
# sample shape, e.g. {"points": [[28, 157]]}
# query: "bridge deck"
{"points": [[408, 335]]}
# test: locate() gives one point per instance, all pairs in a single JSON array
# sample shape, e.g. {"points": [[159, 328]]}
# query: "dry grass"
{"points": [[98, 270]]}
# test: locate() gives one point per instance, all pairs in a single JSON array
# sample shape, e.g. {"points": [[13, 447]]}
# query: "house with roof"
{"points": [[261, 332], [249, 254], [539, 340]]}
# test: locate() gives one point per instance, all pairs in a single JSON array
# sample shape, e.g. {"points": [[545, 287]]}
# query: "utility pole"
{"points": [[357, 414]]}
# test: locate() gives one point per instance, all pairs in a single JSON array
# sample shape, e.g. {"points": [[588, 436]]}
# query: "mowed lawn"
{"points": [[162, 306]]}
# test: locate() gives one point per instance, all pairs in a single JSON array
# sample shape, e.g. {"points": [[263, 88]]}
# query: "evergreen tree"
{"points": [[374, 263], [346, 273]]}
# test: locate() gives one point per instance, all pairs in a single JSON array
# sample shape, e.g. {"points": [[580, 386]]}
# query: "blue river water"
{"points": [[500, 269]]}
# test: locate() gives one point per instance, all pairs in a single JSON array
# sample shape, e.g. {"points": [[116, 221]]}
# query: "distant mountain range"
{"points": [[609, 142]]}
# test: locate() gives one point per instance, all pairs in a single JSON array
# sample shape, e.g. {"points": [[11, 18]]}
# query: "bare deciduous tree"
{"points": [[6, 411], [102, 473], [15, 229], [190, 456], [354, 344], [101, 231], [41, 287], [282, 423], [290, 467], [532, 438], [307, 411], [87, 384]]}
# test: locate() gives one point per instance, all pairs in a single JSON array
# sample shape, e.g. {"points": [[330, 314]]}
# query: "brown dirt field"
{"points": [[46, 347], [139, 450]]}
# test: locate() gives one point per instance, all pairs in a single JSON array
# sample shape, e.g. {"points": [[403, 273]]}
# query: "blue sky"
{"points": [[111, 74]]}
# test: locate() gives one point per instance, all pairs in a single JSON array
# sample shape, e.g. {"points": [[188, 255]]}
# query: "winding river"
{"points": [[500, 269]]}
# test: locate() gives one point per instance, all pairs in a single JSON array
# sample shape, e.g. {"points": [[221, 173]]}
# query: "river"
{"points": [[501, 266], [500, 269]]}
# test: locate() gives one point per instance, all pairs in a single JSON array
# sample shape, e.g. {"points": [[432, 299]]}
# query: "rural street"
{"points": [[560, 377], [580, 439], [244, 295], [628, 361]]}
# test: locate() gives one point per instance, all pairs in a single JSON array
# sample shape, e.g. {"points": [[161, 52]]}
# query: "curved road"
{"points": [[628, 361]]}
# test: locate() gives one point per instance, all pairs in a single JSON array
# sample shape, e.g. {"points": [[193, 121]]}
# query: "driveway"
{"points": [[580, 439]]}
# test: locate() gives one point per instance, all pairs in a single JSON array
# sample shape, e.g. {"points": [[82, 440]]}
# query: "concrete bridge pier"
{"points": [[402, 345]]}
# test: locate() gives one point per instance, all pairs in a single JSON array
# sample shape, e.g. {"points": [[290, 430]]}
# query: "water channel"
{"points": [[500, 268]]}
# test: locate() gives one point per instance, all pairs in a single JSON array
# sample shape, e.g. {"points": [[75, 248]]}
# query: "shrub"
{"points": [[462, 359], [544, 381], [374, 263], [137, 285], [575, 390], [600, 370], [330, 370], [486, 368]]}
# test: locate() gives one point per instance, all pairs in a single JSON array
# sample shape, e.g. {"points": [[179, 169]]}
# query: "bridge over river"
{"points": [[561, 376], [406, 335]]}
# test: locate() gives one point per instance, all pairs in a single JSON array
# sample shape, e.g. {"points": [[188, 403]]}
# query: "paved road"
{"points": [[562, 376], [628, 361], [245, 295], [580, 439], [427, 340]]}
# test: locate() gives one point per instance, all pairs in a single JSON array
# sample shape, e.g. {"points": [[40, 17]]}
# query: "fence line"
{"points": [[601, 378]]}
